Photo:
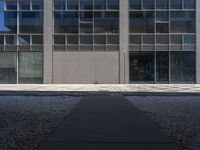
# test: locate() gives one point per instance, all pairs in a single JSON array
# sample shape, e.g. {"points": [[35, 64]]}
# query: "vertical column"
{"points": [[48, 49], [198, 41], [124, 42]]}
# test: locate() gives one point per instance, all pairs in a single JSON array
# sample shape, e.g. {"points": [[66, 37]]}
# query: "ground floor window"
{"points": [[163, 67], [21, 67]]}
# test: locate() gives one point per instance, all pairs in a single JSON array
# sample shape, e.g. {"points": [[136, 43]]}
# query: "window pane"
{"points": [[112, 39], [86, 16], [11, 5], [86, 4], [8, 68], [72, 4], [189, 39], [162, 4], [162, 39], [72, 39], [99, 4], [112, 4], [162, 16], [1, 40], [189, 4], [24, 39], [37, 4], [1, 5], [135, 4], [135, 39], [176, 39], [162, 67], [59, 4], [11, 39], [31, 22], [142, 67], [176, 4], [162, 27], [8, 23], [86, 39], [148, 4], [24, 5], [100, 39], [183, 67], [31, 67], [148, 39], [37, 39], [59, 39]]}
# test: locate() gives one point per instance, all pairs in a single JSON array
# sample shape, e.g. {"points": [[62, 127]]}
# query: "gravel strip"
{"points": [[178, 117], [25, 121]]}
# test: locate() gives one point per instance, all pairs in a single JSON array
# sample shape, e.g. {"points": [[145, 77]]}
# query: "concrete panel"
{"points": [[198, 41], [85, 67]]}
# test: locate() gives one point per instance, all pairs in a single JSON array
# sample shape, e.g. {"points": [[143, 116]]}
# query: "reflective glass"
{"points": [[24, 4], [148, 39], [86, 27], [31, 22], [72, 4], [162, 4], [112, 39], [86, 39], [135, 4], [1, 5], [189, 39], [86, 4], [37, 4], [86, 16], [162, 16], [37, 39], [30, 67], [135, 39], [176, 39], [11, 4], [99, 39], [8, 22], [59, 4], [162, 39], [59, 39], [24, 39], [176, 4], [162, 27], [11, 39], [142, 67], [148, 4], [1, 40], [189, 4], [99, 4], [112, 4], [72, 39], [183, 67], [8, 68]]}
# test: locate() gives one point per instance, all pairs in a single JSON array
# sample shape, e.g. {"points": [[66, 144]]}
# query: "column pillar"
{"points": [[198, 41]]}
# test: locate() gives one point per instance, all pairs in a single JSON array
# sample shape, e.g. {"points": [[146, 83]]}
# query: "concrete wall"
{"points": [[85, 67]]}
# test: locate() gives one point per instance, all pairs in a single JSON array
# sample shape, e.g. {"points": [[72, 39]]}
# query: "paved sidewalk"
{"points": [[107, 123]]}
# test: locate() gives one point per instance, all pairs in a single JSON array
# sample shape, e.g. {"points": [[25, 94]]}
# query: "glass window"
{"points": [[11, 39], [176, 39], [8, 68], [1, 40], [162, 4], [59, 39], [24, 39], [59, 4], [31, 22], [148, 39], [112, 39], [142, 67], [189, 39], [11, 5], [86, 28], [72, 39], [112, 4], [30, 67], [66, 22], [183, 67], [8, 23], [99, 39], [99, 4], [162, 27], [135, 39], [189, 4], [86, 4], [162, 16], [72, 4], [24, 5], [162, 39], [37, 4], [1, 5], [86, 16], [148, 4], [162, 67], [176, 4], [135, 4], [37, 39], [86, 39]]}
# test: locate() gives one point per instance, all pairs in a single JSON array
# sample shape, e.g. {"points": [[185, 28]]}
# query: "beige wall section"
{"points": [[86, 67], [198, 41]]}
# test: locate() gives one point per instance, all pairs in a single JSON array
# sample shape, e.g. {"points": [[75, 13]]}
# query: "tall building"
{"points": [[99, 41]]}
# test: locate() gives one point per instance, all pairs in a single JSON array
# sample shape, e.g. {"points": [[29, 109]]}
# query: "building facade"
{"points": [[99, 41]]}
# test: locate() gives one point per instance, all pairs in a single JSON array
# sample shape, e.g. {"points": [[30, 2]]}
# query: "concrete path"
{"points": [[107, 123]]}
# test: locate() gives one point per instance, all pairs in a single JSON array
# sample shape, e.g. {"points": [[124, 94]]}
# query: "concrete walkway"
{"points": [[107, 123]]}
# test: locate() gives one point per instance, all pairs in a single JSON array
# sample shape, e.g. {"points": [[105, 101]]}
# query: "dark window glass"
{"points": [[148, 4], [86, 39], [183, 22], [86, 16], [8, 23], [162, 39], [37, 39], [142, 67], [24, 5], [112, 39], [86, 4], [99, 39], [8, 68], [135, 39], [11, 5], [112, 4], [135, 4], [30, 67], [24, 39], [72, 39], [30, 22], [1, 5], [162, 67], [1, 40], [189, 39], [142, 22], [37, 4], [86, 27], [176, 39], [162, 27], [183, 67], [162, 16], [189, 4], [59, 4], [162, 4], [99, 4], [59, 39], [148, 39], [72, 4], [176, 4], [11, 39], [66, 22]]}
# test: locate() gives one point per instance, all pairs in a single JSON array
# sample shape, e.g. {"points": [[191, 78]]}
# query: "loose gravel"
{"points": [[177, 116], [25, 121]]}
